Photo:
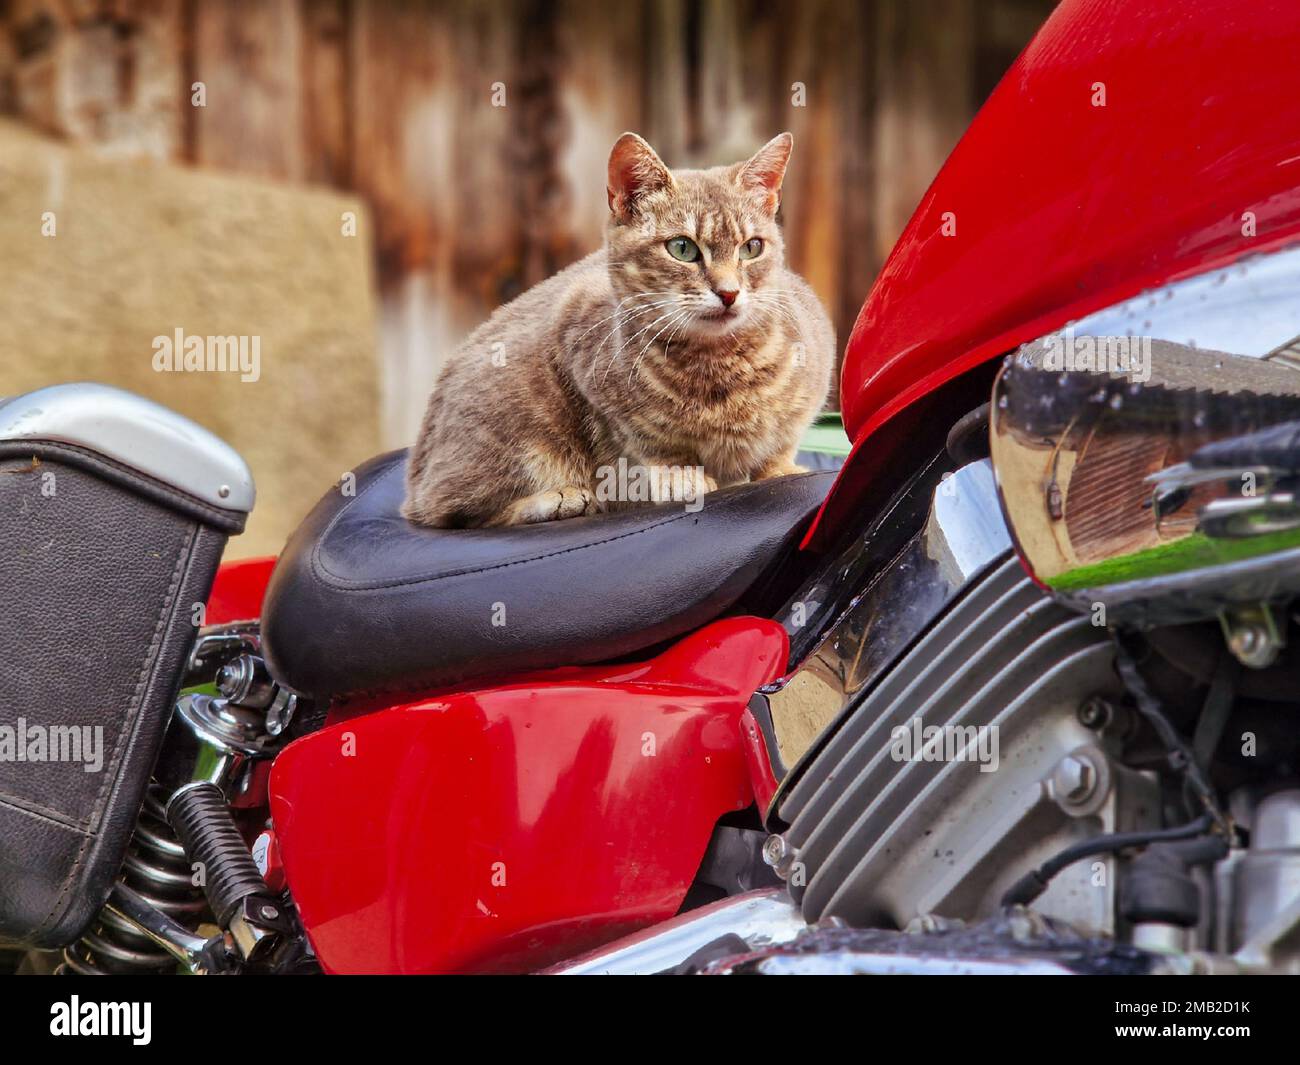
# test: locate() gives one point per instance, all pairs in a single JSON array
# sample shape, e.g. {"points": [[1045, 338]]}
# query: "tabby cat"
{"points": [[685, 345]]}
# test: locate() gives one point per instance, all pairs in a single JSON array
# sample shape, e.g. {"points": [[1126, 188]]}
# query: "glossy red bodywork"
{"points": [[1061, 207], [238, 590], [762, 777], [503, 829]]}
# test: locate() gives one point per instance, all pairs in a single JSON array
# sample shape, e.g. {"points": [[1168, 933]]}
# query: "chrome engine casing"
{"points": [[879, 840], [1030, 726]]}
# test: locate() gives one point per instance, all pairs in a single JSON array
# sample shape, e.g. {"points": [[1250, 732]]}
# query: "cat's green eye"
{"points": [[683, 249], [752, 248]]}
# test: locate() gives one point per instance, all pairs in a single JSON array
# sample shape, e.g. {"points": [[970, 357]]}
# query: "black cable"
{"points": [[1181, 757], [1216, 709], [1032, 884]]}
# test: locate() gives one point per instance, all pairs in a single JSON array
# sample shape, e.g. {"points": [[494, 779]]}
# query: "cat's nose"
{"points": [[728, 296]]}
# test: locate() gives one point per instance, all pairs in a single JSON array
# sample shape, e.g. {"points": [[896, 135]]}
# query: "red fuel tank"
{"points": [[1133, 142]]}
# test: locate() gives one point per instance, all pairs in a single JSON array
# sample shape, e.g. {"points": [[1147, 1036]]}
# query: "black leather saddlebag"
{"points": [[107, 544]]}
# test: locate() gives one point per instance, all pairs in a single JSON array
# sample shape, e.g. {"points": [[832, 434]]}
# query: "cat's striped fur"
{"points": [[631, 353]]}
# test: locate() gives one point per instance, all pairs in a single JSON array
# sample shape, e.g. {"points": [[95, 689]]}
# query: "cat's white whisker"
{"points": [[673, 303], [650, 343], [646, 328], [618, 308], [628, 317], [623, 347], [682, 319], [774, 303], [668, 344]]}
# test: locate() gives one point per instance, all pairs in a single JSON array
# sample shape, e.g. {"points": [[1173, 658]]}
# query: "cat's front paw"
{"points": [[680, 484], [556, 504], [779, 468]]}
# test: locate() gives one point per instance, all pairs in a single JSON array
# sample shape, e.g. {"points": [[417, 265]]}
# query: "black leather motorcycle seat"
{"points": [[362, 601]]}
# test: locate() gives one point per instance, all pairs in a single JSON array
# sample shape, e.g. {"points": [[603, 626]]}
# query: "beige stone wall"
{"points": [[141, 249]]}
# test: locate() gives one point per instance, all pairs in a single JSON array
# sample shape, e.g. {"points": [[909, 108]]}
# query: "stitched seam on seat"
{"points": [[225, 519], [42, 813], [322, 573]]}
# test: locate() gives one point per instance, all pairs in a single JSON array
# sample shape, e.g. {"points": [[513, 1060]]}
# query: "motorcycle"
{"points": [[1012, 691]]}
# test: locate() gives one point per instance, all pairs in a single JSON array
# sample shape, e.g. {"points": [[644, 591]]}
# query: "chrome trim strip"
{"points": [[1248, 308], [135, 432], [761, 918]]}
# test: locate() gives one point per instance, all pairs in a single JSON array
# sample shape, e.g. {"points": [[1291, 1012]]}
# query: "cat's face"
{"points": [[694, 253]]}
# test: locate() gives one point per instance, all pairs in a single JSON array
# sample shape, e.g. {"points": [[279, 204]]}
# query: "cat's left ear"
{"points": [[764, 172]]}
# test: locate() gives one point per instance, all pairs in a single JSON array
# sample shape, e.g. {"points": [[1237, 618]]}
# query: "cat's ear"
{"points": [[764, 172], [634, 171]]}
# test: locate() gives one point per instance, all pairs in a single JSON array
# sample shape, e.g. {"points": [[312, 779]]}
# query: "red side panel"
{"points": [[238, 590], [510, 828], [1133, 142], [759, 760]]}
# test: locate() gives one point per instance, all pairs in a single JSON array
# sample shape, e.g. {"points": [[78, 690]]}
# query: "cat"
{"points": [[684, 345]]}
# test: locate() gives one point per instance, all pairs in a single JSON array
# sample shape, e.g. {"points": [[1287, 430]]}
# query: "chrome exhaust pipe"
{"points": [[761, 918]]}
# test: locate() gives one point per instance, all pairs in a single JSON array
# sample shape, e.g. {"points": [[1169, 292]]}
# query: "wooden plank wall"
{"points": [[473, 202]]}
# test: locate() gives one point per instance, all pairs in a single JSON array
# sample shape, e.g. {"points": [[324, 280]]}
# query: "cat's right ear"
{"points": [[634, 172]]}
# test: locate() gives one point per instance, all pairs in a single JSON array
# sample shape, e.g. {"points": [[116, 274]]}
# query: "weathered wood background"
{"points": [[471, 202]]}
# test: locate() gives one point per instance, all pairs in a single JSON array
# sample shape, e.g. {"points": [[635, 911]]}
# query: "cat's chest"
{"points": [[727, 429], [710, 397]]}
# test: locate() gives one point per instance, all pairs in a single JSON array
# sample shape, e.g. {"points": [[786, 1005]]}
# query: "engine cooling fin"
{"points": [[880, 837]]}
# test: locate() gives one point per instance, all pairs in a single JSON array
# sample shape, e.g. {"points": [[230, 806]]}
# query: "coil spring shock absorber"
{"points": [[232, 733], [156, 868]]}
